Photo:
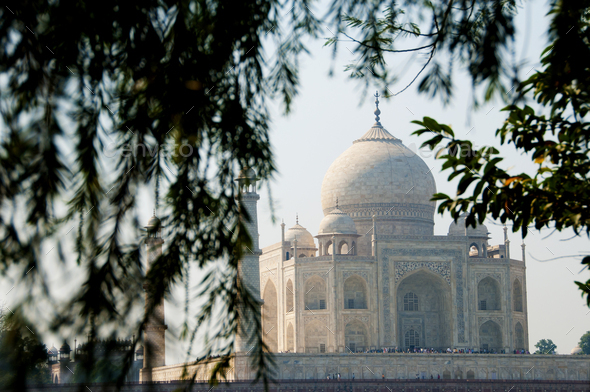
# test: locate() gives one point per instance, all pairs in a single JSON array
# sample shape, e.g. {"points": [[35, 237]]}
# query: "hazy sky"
{"points": [[329, 115]]}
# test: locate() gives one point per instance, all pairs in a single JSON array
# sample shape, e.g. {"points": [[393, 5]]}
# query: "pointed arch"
{"points": [[315, 293], [356, 337], [490, 336], [518, 336], [488, 294], [316, 337], [329, 248], [517, 296], [270, 316], [355, 293], [474, 250], [289, 294], [429, 310], [343, 247]]}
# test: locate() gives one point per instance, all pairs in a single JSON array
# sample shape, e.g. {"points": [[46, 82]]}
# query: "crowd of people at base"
{"points": [[396, 350], [388, 350], [336, 376]]}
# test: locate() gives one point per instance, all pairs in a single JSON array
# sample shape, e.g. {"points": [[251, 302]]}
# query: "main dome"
{"points": [[378, 175]]}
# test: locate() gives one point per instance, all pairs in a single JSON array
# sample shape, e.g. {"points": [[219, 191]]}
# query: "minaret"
{"points": [[248, 268], [153, 338], [506, 242], [523, 252]]}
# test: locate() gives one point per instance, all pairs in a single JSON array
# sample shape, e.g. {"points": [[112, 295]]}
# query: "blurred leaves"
{"points": [[86, 89]]}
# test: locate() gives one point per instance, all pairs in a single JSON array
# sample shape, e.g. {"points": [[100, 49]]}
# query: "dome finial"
{"points": [[377, 111], [336, 202], [154, 212], [297, 218]]}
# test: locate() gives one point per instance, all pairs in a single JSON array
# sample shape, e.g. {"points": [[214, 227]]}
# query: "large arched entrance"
{"points": [[269, 317], [424, 311]]}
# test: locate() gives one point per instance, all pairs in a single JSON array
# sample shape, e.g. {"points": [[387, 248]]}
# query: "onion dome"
{"points": [[65, 348], [337, 222], [154, 222], [379, 175], [459, 228], [304, 237], [247, 173]]}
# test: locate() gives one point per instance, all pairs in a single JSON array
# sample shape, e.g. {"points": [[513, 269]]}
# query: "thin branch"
{"points": [[559, 257], [388, 50]]}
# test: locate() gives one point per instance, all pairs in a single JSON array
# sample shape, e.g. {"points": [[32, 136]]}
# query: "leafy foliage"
{"points": [[86, 89], [545, 346], [585, 343], [558, 193], [23, 359]]}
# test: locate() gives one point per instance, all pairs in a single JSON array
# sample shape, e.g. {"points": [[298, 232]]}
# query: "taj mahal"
{"points": [[374, 278]]}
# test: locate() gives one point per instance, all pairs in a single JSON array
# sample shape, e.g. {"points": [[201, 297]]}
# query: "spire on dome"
{"points": [[377, 132], [377, 111], [336, 203], [296, 218]]}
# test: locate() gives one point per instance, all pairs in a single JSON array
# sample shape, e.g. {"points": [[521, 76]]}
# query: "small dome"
{"points": [[52, 350], [304, 237], [459, 229], [576, 350], [247, 173], [139, 350], [154, 223], [337, 222], [65, 348]]}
